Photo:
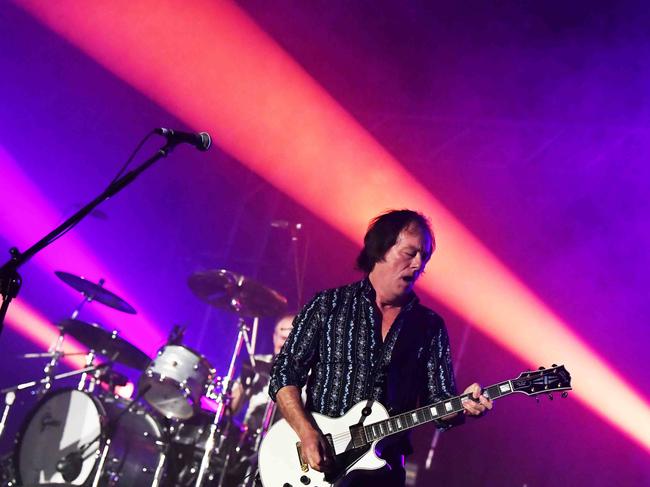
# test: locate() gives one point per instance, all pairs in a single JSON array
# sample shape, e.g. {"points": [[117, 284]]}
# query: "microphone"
{"points": [[201, 141], [285, 224]]}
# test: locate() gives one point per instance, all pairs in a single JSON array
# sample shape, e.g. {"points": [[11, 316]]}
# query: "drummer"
{"points": [[253, 384]]}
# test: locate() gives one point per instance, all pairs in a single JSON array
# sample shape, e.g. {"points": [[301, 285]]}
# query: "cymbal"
{"points": [[234, 292], [95, 292], [104, 342]]}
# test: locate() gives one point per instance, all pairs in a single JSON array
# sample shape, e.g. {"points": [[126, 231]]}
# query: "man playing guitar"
{"points": [[370, 340]]}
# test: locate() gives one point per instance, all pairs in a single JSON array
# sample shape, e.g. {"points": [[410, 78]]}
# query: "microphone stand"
{"points": [[10, 279]]}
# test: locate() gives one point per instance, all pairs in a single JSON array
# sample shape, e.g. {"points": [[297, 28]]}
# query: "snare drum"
{"points": [[69, 422], [175, 381]]}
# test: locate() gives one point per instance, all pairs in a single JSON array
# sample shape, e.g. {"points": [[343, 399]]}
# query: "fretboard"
{"points": [[426, 414]]}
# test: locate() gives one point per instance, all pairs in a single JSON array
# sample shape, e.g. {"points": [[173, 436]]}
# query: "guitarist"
{"points": [[371, 339]]}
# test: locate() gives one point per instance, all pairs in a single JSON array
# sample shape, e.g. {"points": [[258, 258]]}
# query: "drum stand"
{"points": [[55, 352], [225, 395]]}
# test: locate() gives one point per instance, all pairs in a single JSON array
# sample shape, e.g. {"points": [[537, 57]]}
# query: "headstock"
{"points": [[543, 381]]}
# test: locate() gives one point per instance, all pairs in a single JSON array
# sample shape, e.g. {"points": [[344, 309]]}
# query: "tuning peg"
{"points": [[554, 365], [565, 394], [550, 397], [541, 368]]}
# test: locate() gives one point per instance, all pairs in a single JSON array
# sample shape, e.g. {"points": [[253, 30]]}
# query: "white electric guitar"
{"points": [[353, 437]]}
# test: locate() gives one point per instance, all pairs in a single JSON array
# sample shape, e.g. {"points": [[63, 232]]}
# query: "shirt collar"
{"points": [[370, 293]]}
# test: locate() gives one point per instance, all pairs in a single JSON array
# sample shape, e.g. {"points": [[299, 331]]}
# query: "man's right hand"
{"points": [[316, 451]]}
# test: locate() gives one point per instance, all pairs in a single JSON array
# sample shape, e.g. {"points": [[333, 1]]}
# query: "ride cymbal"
{"points": [[234, 292]]}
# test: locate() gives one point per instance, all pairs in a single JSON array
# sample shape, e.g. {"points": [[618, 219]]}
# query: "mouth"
{"points": [[408, 279]]}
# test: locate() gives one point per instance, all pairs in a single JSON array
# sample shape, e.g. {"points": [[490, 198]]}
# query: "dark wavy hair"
{"points": [[383, 232]]}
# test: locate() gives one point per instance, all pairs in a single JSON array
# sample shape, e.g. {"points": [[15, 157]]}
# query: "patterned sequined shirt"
{"points": [[336, 347]]}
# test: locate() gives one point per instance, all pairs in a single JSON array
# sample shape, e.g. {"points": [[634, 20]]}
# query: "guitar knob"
{"points": [[366, 411], [305, 480], [287, 484]]}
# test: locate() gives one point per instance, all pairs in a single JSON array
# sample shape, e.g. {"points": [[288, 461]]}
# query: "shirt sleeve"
{"points": [[440, 379], [291, 366]]}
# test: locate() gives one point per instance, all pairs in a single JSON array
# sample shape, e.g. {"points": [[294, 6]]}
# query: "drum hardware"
{"points": [[222, 405], [10, 397], [10, 392], [90, 358], [71, 464], [47, 354], [64, 375], [54, 360]]}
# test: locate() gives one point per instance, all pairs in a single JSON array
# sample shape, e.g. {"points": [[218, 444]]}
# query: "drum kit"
{"points": [[91, 436]]}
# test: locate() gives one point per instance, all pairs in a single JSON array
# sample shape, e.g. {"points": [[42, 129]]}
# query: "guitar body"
{"points": [[280, 465], [354, 436]]}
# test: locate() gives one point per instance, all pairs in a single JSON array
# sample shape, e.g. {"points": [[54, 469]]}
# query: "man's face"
{"points": [[281, 332], [396, 273]]}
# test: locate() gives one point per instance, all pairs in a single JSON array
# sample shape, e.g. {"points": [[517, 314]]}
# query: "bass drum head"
{"points": [[60, 424]]}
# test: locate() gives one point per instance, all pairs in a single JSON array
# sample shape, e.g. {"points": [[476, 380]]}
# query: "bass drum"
{"points": [[68, 422]]}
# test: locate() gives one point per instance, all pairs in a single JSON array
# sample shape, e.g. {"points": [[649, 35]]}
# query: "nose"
{"points": [[416, 262]]}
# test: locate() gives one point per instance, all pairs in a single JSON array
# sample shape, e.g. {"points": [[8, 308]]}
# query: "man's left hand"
{"points": [[479, 407]]}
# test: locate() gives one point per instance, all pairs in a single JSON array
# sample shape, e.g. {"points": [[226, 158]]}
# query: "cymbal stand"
{"points": [[224, 402], [267, 421], [10, 397], [87, 299], [49, 368], [90, 358]]}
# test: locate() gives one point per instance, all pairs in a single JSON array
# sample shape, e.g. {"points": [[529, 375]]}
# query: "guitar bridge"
{"points": [[303, 465]]}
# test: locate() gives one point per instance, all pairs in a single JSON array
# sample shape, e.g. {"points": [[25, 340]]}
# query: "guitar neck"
{"points": [[426, 414]]}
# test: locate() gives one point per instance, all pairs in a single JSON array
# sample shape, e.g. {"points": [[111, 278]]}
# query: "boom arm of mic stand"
{"points": [[10, 280]]}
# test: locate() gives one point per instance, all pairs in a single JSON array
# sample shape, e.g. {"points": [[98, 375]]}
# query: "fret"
{"points": [[409, 420], [418, 414], [457, 404], [370, 434], [493, 392]]}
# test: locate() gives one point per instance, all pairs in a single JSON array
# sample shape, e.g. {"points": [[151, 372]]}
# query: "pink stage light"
{"points": [[30, 217], [28, 322], [210, 65]]}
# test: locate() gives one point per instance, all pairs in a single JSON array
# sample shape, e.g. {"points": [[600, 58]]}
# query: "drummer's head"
{"points": [[281, 332]]}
